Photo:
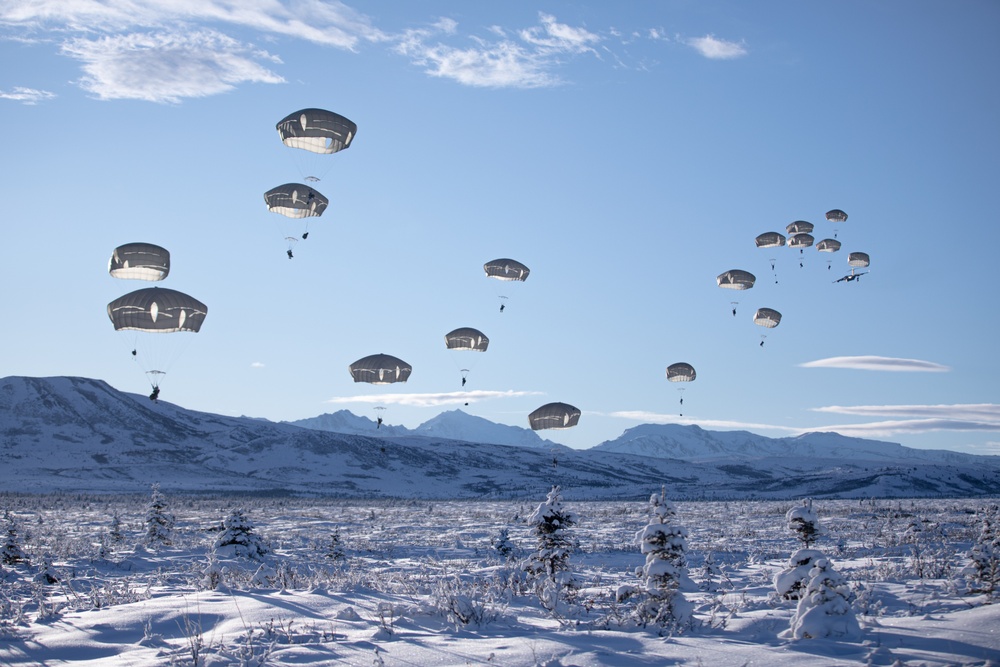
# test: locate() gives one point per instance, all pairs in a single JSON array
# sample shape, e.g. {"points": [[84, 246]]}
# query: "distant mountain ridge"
{"points": [[71, 434]]}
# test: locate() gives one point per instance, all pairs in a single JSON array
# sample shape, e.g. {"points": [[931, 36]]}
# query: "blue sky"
{"points": [[626, 154]]}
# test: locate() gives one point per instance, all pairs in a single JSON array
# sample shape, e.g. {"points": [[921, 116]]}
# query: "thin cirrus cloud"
{"points": [[164, 51], [874, 363], [430, 400], [26, 95]]}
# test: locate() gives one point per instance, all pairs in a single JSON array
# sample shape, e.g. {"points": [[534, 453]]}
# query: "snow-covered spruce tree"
{"points": [[548, 567], [11, 552], [824, 609], [664, 543], [804, 523], [335, 548], [115, 535], [46, 573], [159, 522], [501, 544], [238, 538], [985, 553]]}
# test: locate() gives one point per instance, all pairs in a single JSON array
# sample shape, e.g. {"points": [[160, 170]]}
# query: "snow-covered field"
{"points": [[421, 583]]}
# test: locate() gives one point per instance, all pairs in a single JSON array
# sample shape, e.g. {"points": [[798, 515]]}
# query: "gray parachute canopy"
{"points": [[828, 245], [466, 338], [158, 310], [681, 372], [736, 279], [767, 317], [295, 200], [554, 415], [380, 369], [836, 215], [800, 240], [506, 269], [317, 131], [859, 259], [139, 261], [799, 227], [770, 240]]}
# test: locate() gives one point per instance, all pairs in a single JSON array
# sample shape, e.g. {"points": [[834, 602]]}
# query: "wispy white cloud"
{"points": [[26, 95], [257, 364], [137, 49], [431, 400], [873, 363], [714, 48], [977, 417], [166, 67]]}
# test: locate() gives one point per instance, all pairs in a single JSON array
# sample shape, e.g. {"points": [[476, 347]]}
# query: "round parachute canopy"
{"points": [[681, 372], [139, 261], [800, 240], [157, 310], [859, 259], [836, 215], [554, 415], [799, 227], [506, 269], [767, 317], [770, 240], [828, 245], [317, 131], [736, 279], [380, 369], [295, 200], [466, 338]]}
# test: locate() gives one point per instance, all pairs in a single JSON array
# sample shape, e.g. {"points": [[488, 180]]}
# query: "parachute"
{"points": [[139, 261], [836, 215], [767, 317], [736, 279], [295, 200], [828, 245], [770, 240], [466, 338], [681, 372], [800, 240], [157, 310], [554, 415], [147, 313], [380, 369], [859, 259], [799, 227], [506, 269], [317, 131]]}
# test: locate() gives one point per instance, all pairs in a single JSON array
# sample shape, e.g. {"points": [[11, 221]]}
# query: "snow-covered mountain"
{"points": [[452, 425], [692, 443], [76, 434]]}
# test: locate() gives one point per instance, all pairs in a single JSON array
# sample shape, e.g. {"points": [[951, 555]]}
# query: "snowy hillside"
{"points": [[692, 443], [452, 425], [78, 434]]}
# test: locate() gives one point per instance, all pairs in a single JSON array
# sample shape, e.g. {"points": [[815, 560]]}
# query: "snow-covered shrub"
{"points": [[984, 569], [548, 567], [115, 535], [11, 552], [335, 548], [46, 573], [213, 575], [664, 543], [501, 543], [238, 539], [804, 522], [824, 610], [789, 582], [159, 521]]}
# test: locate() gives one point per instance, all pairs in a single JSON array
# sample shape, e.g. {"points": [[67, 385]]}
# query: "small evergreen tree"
{"points": [[824, 610], [804, 522], [46, 573], [335, 549], [11, 552], [159, 521], [239, 539], [115, 534], [548, 567], [985, 553], [501, 543], [664, 544]]}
